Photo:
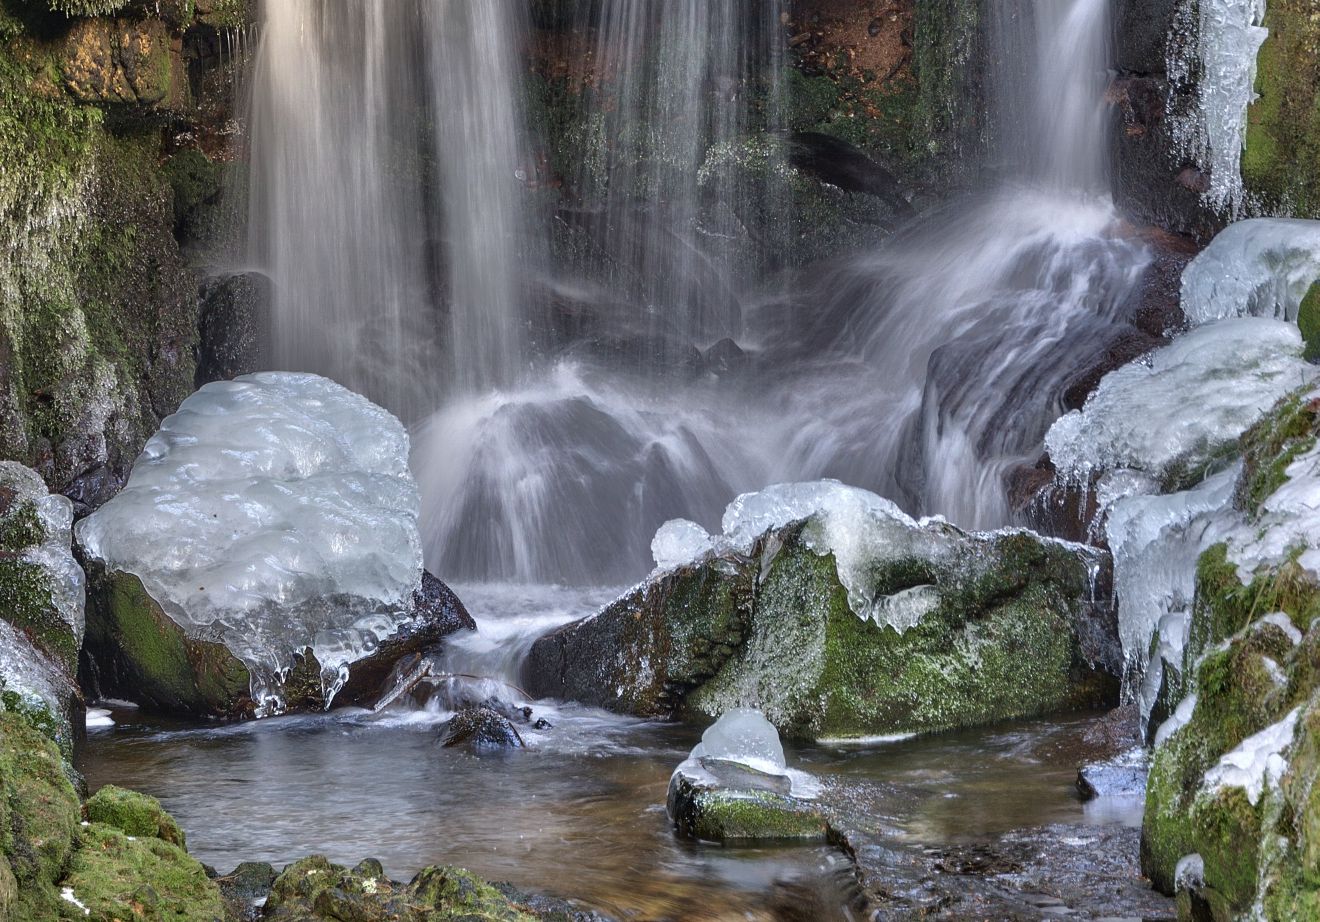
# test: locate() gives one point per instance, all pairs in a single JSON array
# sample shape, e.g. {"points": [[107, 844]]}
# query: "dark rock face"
{"points": [[437, 613], [482, 728], [234, 326]]}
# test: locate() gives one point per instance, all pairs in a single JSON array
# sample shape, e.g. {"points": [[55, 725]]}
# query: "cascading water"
{"points": [[926, 370], [386, 152]]}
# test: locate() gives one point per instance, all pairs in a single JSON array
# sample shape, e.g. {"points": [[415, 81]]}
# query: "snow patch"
{"points": [[67, 894]]}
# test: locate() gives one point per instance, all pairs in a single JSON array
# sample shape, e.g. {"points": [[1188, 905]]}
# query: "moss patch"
{"points": [[133, 814]]}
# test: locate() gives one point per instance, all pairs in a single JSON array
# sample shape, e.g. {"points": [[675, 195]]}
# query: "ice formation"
{"points": [[1183, 403], [53, 555], [1262, 267], [1229, 36], [1156, 542], [858, 527], [275, 512], [1288, 522], [1182, 716], [1258, 761], [1189, 873], [29, 672], [745, 736], [679, 542]]}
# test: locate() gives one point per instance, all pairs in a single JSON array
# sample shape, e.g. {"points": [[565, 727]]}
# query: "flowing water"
{"points": [[580, 812]]}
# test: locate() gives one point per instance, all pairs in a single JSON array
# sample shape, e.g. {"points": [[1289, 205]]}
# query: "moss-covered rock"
{"points": [[1308, 321], [712, 812], [39, 817], [1281, 160], [135, 649], [123, 62], [133, 814], [117, 877], [776, 630], [315, 890]]}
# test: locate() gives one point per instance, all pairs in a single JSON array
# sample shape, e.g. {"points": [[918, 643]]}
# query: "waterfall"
{"points": [[386, 150]]}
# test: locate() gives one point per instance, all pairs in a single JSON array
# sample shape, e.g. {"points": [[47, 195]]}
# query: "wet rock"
{"points": [[839, 163], [1124, 776], [725, 358], [314, 890], [246, 889], [740, 808], [234, 326], [437, 613], [124, 62], [482, 728], [996, 631]]}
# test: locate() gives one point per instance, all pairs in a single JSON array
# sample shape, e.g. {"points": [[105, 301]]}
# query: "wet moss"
{"points": [[133, 814], [744, 817], [141, 651], [121, 877], [1270, 446], [39, 815], [26, 599], [1281, 160], [1308, 321]]}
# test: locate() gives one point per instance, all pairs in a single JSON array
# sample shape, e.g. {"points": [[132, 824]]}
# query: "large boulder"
{"points": [[266, 542], [839, 616], [41, 602]]}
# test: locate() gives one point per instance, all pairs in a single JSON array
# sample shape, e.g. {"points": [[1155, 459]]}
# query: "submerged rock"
{"points": [[482, 728], [837, 615], [266, 541]]}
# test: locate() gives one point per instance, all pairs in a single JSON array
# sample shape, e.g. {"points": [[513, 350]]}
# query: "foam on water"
{"points": [[274, 512]]}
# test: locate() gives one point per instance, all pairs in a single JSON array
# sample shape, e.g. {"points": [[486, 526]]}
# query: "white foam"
{"points": [[275, 512]]}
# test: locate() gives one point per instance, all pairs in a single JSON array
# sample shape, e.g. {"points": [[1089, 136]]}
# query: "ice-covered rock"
{"points": [[1156, 542], [272, 513], [955, 628], [736, 786], [1258, 761], [1172, 413], [37, 527], [1262, 267], [1229, 35], [1287, 523]]}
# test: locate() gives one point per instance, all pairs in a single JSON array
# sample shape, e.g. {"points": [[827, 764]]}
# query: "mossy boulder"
{"points": [[1281, 160], [1001, 636], [119, 877], [315, 890], [123, 62], [133, 814], [39, 819]]}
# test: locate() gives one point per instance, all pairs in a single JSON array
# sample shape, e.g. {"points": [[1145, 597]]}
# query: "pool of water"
{"points": [[580, 812]]}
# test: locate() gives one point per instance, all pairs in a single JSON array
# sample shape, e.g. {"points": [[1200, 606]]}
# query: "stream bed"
{"points": [[579, 813]]}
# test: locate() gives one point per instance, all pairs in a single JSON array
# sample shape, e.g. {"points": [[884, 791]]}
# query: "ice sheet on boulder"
{"points": [[274, 512], [1262, 267], [1171, 413]]}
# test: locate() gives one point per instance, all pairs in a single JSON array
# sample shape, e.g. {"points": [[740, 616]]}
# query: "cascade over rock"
{"points": [[844, 621]]}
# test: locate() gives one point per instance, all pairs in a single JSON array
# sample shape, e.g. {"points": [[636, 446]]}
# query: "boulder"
{"points": [[266, 542], [133, 814], [838, 616], [124, 62], [41, 602], [482, 728]]}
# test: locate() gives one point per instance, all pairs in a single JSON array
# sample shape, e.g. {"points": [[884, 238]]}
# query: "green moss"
{"points": [[136, 641], [27, 605], [118, 877], [1308, 321], [194, 178], [745, 817], [1270, 446], [21, 528], [134, 814], [86, 7], [1281, 160], [1224, 606], [945, 58], [39, 815]]}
